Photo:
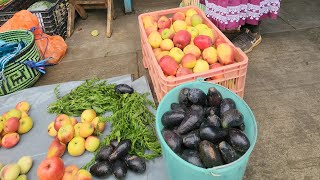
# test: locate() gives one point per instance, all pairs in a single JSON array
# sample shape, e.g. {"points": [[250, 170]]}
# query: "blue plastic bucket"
{"points": [[177, 168]]}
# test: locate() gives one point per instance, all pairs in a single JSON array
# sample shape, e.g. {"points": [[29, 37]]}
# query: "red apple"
{"points": [[189, 61], [183, 71], [202, 42], [214, 66], [51, 169], [168, 65], [164, 22], [181, 39], [179, 16], [56, 148], [61, 120], [11, 125]]}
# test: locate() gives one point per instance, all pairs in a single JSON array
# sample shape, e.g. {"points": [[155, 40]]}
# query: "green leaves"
{"points": [[134, 121], [131, 118], [92, 94]]}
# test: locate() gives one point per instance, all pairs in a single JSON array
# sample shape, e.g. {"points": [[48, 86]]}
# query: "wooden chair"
{"points": [[81, 5]]}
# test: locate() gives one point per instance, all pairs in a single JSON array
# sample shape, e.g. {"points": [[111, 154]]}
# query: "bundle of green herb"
{"points": [[92, 94]]}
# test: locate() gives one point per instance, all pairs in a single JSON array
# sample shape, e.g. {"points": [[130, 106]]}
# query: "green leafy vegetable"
{"points": [[131, 118], [92, 94]]}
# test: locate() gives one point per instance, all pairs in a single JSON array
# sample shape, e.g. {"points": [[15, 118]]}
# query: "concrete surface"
{"points": [[282, 86]]}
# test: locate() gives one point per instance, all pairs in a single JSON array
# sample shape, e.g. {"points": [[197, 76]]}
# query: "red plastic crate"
{"points": [[234, 75]]}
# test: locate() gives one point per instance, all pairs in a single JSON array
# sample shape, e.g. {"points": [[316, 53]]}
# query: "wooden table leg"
{"points": [[109, 17], [71, 17], [79, 9]]}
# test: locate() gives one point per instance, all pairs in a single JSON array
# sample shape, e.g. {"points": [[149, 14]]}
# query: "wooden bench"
{"points": [[81, 5]]}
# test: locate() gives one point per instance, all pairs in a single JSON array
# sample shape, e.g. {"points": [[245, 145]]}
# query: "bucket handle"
{"points": [[215, 175]]}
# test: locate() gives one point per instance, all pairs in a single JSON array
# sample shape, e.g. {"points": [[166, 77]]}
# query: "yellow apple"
{"points": [[25, 164], [25, 125], [70, 172], [4, 117], [179, 25], [97, 124], [191, 12], [210, 55], [66, 133], [201, 66], [51, 130], [92, 143], [193, 31], [76, 146], [88, 115], [83, 174], [22, 177], [10, 171], [77, 129], [166, 45], [201, 27], [177, 54], [13, 113], [23, 106], [208, 32], [155, 39], [86, 129]]}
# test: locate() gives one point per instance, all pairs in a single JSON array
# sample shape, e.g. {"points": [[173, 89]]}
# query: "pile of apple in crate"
{"points": [[184, 45]]}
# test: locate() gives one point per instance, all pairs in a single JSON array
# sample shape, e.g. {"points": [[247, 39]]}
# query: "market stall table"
{"points": [[36, 142]]}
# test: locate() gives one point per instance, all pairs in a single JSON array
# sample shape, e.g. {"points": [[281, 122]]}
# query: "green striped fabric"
{"points": [[19, 76]]}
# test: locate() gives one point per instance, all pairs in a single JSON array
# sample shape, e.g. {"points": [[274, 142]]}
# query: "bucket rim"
{"points": [[212, 170]]}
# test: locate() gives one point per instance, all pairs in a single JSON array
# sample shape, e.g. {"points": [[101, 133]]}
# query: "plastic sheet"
{"points": [[36, 142]]}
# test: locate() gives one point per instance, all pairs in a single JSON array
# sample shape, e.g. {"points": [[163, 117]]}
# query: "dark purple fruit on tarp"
{"points": [[209, 154], [238, 140], [171, 118], [190, 122], [183, 96], [173, 140], [192, 156], [211, 121], [101, 169], [197, 96], [228, 153], [213, 134], [124, 89], [231, 118], [227, 104], [119, 169], [214, 97], [104, 153], [135, 163], [121, 150], [114, 143], [191, 140]]}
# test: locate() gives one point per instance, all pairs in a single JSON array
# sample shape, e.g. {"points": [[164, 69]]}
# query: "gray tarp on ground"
{"points": [[36, 142]]}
